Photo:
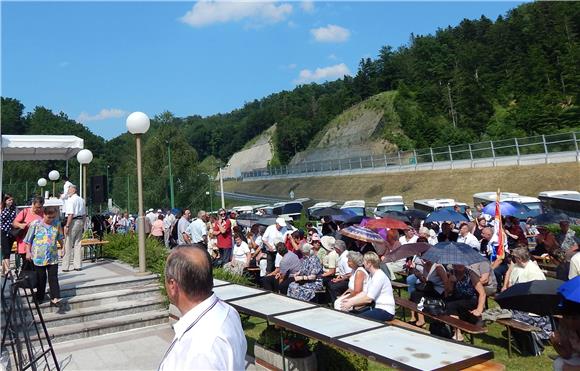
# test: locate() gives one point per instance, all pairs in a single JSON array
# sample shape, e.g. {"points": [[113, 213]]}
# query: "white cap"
{"points": [[281, 222], [328, 242]]}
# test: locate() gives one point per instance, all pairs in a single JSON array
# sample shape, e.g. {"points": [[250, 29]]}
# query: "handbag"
{"points": [[435, 307], [19, 233], [27, 276]]}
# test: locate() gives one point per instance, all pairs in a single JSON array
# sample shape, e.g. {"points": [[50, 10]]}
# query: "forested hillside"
{"points": [[483, 79]]}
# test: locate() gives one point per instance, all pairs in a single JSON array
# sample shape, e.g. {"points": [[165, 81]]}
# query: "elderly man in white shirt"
{"points": [[209, 335], [338, 285], [466, 237], [73, 230], [272, 235]]}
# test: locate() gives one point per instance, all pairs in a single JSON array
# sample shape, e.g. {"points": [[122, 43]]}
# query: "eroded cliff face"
{"points": [[255, 155]]}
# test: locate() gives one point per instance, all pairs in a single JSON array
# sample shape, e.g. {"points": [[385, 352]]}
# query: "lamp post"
{"points": [[41, 183], [108, 183], [222, 189], [54, 176], [171, 194], [84, 157], [138, 123]]}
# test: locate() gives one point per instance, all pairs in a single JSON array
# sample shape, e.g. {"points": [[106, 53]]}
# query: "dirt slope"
{"points": [[457, 184]]}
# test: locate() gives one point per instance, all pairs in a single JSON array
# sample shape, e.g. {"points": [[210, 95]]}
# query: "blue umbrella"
{"points": [[445, 215], [507, 208], [570, 290], [453, 253]]}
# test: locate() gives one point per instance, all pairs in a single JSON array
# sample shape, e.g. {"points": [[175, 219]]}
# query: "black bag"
{"points": [[27, 277], [441, 329], [17, 233], [435, 307], [528, 343]]}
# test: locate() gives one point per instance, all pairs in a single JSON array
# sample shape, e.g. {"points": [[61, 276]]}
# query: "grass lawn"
{"points": [[494, 340]]}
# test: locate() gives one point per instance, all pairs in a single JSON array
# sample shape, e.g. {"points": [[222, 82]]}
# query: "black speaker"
{"points": [[99, 189]]}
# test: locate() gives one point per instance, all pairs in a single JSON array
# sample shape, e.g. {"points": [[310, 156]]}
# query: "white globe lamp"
{"points": [[54, 175], [138, 123], [41, 182], [84, 156]]}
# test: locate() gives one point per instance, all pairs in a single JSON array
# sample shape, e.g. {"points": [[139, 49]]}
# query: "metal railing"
{"points": [[516, 151]]}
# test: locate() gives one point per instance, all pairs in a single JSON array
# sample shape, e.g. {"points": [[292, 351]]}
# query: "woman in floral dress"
{"points": [[307, 281]]}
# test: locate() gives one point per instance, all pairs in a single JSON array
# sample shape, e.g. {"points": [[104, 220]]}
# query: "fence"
{"points": [[516, 151]]}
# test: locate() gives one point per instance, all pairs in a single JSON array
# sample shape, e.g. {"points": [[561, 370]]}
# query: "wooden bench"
{"points": [[399, 323], [93, 245], [486, 366], [456, 323], [398, 286], [511, 323]]}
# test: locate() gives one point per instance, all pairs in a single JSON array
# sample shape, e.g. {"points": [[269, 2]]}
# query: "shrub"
{"points": [[330, 358]]}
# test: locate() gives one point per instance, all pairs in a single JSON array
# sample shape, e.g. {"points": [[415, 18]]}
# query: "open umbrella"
{"points": [[409, 249], [539, 297], [550, 218], [453, 253], [356, 219], [386, 223], [446, 215], [362, 234], [416, 214], [326, 211], [507, 208], [394, 214], [570, 293]]}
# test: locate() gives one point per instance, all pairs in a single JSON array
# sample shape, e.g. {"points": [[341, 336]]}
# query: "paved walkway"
{"points": [[139, 349]]}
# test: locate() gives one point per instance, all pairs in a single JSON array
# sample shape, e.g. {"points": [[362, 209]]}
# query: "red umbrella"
{"points": [[389, 223]]}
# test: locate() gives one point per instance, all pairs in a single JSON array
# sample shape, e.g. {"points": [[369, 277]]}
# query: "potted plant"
{"points": [[297, 354]]}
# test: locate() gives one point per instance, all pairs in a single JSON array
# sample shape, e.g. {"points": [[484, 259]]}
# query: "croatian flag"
{"points": [[498, 236]]}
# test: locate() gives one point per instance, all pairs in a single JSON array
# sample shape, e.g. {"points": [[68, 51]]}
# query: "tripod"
{"points": [[18, 313]]}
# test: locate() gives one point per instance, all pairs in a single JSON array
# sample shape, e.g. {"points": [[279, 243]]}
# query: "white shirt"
{"points": [[353, 277], [342, 267], [197, 229], [240, 252], [75, 206], [152, 217], [403, 240], [470, 240], [215, 342], [574, 266], [272, 235], [530, 272], [182, 226], [381, 291]]}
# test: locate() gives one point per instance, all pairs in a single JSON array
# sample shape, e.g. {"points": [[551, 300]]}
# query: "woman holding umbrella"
{"points": [[468, 299], [434, 285]]}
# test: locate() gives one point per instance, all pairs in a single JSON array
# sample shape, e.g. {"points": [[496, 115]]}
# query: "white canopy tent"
{"points": [[38, 147]]}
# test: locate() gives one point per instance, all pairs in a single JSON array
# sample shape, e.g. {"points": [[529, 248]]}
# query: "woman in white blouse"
{"points": [[357, 282]]}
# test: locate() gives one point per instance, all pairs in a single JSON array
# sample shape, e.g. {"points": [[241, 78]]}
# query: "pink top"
{"points": [[30, 217], [157, 228]]}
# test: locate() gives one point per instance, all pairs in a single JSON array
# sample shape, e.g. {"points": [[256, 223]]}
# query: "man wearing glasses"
{"points": [[222, 229]]}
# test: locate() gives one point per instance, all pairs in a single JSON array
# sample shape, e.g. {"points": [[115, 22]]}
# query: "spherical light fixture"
{"points": [[41, 182], [54, 175], [84, 156], [138, 123]]}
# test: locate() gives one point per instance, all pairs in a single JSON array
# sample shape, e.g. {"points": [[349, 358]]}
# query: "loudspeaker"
{"points": [[98, 189]]}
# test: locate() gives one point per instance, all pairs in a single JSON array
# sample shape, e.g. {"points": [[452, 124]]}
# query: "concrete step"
{"points": [[112, 310], [104, 298], [103, 285]]}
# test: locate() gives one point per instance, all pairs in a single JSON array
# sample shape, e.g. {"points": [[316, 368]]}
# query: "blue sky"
{"points": [[99, 61]]}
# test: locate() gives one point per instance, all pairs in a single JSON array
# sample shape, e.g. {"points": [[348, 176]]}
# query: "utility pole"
{"points": [[451, 105], [171, 191]]}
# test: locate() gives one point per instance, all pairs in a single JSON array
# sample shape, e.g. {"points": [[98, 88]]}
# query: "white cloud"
{"points": [[307, 6], [207, 12], [323, 74], [330, 34], [332, 56], [104, 114]]}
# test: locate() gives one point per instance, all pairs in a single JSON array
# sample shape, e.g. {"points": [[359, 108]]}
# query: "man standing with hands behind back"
{"points": [[73, 230]]}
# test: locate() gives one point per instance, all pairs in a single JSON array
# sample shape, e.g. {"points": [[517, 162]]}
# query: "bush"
{"points": [[555, 229], [333, 359], [224, 275]]}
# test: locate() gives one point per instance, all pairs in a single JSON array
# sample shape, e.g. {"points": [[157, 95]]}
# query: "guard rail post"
{"points": [[517, 151], [576, 145], [400, 161], [545, 147], [360, 161], [432, 158], [386, 163], [349, 165], [450, 157], [372, 162], [470, 155], [415, 157], [492, 152]]}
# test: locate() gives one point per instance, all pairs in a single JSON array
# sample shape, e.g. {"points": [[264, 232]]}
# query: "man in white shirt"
{"points": [[272, 235], [73, 230], [182, 236], [197, 230], [468, 238], [209, 335], [574, 266], [152, 216], [338, 285]]}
